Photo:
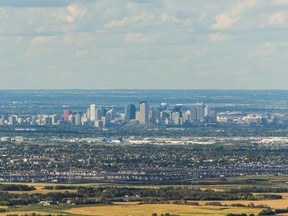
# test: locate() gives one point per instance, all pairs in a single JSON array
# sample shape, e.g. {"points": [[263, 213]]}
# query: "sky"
{"points": [[144, 44]]}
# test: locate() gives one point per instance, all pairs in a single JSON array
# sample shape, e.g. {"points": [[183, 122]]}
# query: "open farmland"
{"points": [[134, 208], [147, 210]]}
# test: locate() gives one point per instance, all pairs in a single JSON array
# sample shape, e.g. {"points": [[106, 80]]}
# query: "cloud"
{"points": [[280, 2], [224, 21], [277, 19], [40, 40], [227, 19], [75, 11], [243, 5], [142, 19], [40, 3], [84, 37], [267, 50], [216, 37], [140, 38], [147, 19]]}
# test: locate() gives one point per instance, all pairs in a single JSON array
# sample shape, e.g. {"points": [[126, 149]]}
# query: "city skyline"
{"points": [[143, 44]]}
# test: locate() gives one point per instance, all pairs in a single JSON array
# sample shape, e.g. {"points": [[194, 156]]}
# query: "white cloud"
{"points": [[40, 40], [216, 37], [224, 21], [140, 38], [227, 19], [144, 18], [84, 37], [279, 2], [277, 19], [75, 11], [267, 50], [243, 5]]}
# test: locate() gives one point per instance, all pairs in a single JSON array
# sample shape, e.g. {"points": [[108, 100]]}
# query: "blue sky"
{"points": [[178, 44]]}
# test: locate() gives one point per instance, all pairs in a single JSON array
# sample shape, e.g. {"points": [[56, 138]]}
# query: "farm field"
{"points": [[283, 203], [136, 209], [148, 209], [40, 187], [21, 213]]}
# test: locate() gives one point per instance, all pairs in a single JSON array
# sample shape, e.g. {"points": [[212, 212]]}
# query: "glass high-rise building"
{"points": [[130, 112], [92, 112], [143, 112]]}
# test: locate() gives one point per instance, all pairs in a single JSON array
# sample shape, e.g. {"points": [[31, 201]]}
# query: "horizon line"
{"points": [[137, 89]]}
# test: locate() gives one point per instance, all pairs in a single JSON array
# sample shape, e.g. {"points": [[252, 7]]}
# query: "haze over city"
{"points": [[143, 44]]}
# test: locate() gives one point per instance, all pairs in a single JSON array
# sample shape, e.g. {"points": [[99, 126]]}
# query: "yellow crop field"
{"points": [[21, 213], [282, 203], [148, 209]]}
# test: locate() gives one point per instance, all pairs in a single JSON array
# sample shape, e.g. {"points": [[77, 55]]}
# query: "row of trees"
{"points": [[106, 195]]}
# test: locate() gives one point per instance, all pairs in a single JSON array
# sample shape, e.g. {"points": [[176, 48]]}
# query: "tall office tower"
{"points": [[206, 110], [137, 116], [178, 108], [12, 120], [186, 117], [155, 115], [108, 118], [193, 114], [71, 118], [19, 120], [66, 114], [175, 116], [33, 120], [47, 120], [200, 112], [144, 112], [92, 112], [78, 118], [40, 119], [178, 121], [99, 123], [130, 112], [98, 115], [54, 119], [104, 120], [2, 120], [88, 114]]}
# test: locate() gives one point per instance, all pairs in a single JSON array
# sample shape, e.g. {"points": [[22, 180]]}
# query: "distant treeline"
{"points": [[16, 187], [60, 187], [259, 190], [108, 195]]}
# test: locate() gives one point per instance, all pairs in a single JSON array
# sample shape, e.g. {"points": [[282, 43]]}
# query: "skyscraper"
{"points": [[66, 114], [143, 112], [155, 115], [130, 112], [78, 118], [193, 114], [206, 110], [178, 108], [98, 115], [92, 112], [200, 112]]}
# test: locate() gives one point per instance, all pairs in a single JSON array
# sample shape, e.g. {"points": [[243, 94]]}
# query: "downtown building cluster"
{"points": [[144, 114], [104, 117]]}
